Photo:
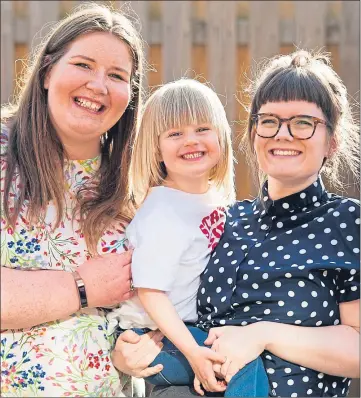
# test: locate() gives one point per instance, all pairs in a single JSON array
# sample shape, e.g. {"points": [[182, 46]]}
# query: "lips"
{"points": [[285, 152], [93, 106], [192, 155]]}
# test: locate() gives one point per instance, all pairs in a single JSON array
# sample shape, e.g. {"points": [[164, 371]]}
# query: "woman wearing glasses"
{"points": [[283, 282]]}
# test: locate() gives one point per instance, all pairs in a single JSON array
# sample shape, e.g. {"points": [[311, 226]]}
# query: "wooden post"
{"points": [[264, 30], [222, 52], [141, 8], [7, 50], [310, 18], [350, 75], [350, 48], [42, 14], [176, 39]]}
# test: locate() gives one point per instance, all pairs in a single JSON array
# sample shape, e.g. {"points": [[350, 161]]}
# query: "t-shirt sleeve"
{"points": [[159, 238], [349, 277]]}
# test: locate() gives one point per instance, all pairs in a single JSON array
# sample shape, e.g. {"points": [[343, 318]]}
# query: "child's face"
{"points": [[189, 153]]}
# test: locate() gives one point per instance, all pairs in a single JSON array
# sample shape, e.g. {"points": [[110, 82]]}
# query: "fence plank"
{"points": [[350, 42], [176, 39], [264, 29], [222, 51], [310, 19], [141, 9], [42, 14], [7, 50]]}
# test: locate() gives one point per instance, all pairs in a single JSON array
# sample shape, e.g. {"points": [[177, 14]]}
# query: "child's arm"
{"points": [[161, 310]]}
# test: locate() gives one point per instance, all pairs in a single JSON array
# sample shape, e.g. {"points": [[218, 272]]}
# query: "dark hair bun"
{"points": [[301, 58]]}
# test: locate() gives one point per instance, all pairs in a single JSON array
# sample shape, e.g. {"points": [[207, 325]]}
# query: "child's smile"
{"points": [[189, 154]]}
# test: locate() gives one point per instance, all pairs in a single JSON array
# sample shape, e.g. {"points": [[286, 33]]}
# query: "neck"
{"points": [[280, 189], [82, 151], [189, 186]]}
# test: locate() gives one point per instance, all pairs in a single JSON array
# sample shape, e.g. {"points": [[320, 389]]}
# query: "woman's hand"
{"points": [[107, 279], [240, 344], [133, 353]]}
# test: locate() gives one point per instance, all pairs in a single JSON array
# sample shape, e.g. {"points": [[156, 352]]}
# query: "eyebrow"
{"points": [[93, 60]]}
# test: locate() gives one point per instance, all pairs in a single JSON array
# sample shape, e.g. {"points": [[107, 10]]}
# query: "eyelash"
{"points": [[199, 130], [86, 66]]}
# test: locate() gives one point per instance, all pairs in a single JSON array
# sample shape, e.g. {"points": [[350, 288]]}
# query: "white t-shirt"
{"points": [[173, 234]]}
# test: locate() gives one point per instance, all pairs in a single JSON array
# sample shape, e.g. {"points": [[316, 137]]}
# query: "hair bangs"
{"points": [[183, 105], [293, 85]]}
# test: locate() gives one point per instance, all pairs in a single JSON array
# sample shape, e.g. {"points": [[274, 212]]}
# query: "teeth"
{"points": [[88, 104], [285, 153], [193, 155]]}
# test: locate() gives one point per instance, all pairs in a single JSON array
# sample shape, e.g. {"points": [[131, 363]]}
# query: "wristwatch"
{"points": [[81, 290]]}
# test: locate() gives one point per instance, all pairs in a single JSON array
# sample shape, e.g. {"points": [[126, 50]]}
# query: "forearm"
{"points": [[332, 350], [163, 313], [29, 298]]}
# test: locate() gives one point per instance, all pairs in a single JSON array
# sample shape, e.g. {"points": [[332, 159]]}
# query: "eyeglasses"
{"points": [[302, 127]]}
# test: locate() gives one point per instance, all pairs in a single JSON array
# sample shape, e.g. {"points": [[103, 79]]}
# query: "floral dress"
{"points": [[71, 356]]}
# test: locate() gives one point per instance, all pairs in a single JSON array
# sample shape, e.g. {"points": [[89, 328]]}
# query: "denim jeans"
{"points": [[250, 381]]}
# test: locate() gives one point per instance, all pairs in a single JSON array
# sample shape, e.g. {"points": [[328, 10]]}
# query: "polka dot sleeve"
{"points": [[349, 278]]}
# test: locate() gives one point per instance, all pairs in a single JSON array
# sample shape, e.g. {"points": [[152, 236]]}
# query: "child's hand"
{"points": [[227, 370], [201, 361]]}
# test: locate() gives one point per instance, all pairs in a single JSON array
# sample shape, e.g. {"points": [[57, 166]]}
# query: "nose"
{"points": [[283, 133], [97, 84], [191, 138]]}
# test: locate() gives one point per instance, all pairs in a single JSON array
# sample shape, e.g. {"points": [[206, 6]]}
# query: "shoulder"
{"points": [[160, 204], [343, 206], [240, 208]]}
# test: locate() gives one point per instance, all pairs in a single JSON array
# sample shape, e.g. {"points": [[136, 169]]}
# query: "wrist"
{"points": [[80, 287], [264, 331], [190, 349]]}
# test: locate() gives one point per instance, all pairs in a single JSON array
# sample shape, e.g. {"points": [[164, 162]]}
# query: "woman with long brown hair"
{"points": [[64, 158]]}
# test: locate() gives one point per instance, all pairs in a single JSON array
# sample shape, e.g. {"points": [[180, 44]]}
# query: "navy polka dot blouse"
{"points": [[292, 261]]}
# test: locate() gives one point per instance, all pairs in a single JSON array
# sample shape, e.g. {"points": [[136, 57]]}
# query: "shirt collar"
{"points": [[313, 194]]}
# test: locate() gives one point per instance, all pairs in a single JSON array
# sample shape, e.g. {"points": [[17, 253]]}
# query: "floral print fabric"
{"points": [[67, 357]]}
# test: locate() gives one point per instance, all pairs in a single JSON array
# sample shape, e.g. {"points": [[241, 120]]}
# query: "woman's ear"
{"points": [[47, 79], [332, 147]]}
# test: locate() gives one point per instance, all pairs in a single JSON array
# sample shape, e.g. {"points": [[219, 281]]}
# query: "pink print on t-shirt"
{"points": [[213, 226]]}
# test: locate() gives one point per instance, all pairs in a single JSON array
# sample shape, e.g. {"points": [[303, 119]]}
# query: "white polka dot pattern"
{"points": [[299, 263]]}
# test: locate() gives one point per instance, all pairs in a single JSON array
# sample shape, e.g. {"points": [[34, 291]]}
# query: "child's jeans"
{"points": [[250, 381]]}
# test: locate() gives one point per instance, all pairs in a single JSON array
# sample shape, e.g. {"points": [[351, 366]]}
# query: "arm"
{"points": [[201, 359], [333, 350], [161, 310], [29, 298]]}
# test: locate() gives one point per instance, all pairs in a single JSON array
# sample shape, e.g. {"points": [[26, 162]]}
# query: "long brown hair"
{"points": [[307, 76], [35, 151]]}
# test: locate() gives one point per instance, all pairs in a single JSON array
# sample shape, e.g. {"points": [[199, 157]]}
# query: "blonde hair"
{"points": [[176, 104]]}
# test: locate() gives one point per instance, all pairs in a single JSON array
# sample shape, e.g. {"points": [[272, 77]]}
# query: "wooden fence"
{"points": [[218, 40]]}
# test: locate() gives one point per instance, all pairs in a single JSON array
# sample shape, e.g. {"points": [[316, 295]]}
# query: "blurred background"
{"points": [[215, 41]]}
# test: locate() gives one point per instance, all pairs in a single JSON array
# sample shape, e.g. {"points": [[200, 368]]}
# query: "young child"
{"points": [[181, 180]]}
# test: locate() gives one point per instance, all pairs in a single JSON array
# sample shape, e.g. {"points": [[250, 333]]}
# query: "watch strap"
{"points": [[81, 290]]}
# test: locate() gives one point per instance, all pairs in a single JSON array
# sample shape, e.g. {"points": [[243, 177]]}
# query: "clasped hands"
{"points": [[234, 346], [238, 345]]}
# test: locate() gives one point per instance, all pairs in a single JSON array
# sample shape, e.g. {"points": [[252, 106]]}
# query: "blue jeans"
{"points": [[250, 381]]}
